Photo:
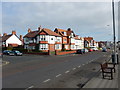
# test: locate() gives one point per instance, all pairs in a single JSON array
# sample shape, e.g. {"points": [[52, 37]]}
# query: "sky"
{"points": [[84, 18]]}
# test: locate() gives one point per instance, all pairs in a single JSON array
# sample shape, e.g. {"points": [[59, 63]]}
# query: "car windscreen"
{"points": [[17, 51]]}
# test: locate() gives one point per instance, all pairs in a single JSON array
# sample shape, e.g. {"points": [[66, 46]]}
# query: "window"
{"points": [[65, 33], [42, 38], [43, 46], [72, 46], [58, 40], [65, 40], [57, 46]]}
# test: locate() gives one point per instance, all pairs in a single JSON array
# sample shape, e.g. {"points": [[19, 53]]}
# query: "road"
{"points": [[28, 71]]}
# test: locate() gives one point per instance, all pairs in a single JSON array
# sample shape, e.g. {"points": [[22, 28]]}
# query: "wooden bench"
{"points": [[107, 68]]}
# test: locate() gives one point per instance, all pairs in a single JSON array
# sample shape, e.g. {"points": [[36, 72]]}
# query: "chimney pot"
{"points": [[69, 29], [39, 28], [4, 34], [29, 30], [14, 32], [20, 37]]}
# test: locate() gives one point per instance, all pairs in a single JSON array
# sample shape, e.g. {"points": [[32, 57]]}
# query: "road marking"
{"points": [[29, 87], [58, 75], [46, 80], [83, 64], [74, 68], [67, 71], [79, 66]]}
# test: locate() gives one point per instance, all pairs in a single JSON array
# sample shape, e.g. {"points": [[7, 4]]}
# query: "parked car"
{"points": [[90, 50], [94, 48], [85, 50], [104, 49], [17, 53], [8, 52], [80, 51]]}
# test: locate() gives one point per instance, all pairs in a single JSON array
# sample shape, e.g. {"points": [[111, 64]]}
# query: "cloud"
{"points": [[85, 18]]}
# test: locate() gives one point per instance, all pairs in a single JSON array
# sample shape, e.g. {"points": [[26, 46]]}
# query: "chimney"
{"points": [[20, 37], [4, 34], [29, 30], [69, 29], [39, 28], [14, 32]]}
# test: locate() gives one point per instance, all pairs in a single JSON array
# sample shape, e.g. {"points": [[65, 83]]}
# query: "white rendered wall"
{"points": [[13, 39]]}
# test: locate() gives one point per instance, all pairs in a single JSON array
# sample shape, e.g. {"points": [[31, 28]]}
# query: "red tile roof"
{"points": [[88, 38], [50, 32], [34, 33], [60, 31]]}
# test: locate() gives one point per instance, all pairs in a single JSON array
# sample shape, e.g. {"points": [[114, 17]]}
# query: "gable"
{"points": [[43, 33], [14, 39]]}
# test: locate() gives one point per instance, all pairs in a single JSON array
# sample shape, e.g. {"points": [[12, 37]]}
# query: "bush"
{"points": [[9, 48], [36, 50], [64, 49], [20, 49]]}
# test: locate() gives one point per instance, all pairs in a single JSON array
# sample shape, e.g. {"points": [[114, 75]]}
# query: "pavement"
{"points": [[99, 82]]}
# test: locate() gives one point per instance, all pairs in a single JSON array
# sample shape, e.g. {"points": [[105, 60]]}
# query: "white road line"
{"points": [[46, 80], [74, 68], [58, 75], [67, 71], [29, 87], [83, 64], [79, 66]]}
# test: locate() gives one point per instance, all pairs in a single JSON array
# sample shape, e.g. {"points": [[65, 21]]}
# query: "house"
{"points": [[79, 42], [71, 38], [68, 38], [11, 40], [63, 34], [88, 42], [42, 39], [95, 44], [101, 44]]}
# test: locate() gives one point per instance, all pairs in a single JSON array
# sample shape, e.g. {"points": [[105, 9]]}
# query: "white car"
{"points": [[94, 48]]}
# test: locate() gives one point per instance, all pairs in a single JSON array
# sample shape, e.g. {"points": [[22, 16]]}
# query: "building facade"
{"points": [[11, 40], [42, 39]]}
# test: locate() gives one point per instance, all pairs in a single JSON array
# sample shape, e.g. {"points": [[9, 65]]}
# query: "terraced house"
{"points": [[42, 39]]}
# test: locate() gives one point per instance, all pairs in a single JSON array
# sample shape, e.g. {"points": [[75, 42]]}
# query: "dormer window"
{"points": [[64, 33]]}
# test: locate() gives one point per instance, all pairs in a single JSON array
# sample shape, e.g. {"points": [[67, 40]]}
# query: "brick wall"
{"points": [[44, 53], [51, 47], [64, 52]]}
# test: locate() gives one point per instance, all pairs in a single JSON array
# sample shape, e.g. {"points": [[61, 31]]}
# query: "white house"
{"points": [[11, 40]]}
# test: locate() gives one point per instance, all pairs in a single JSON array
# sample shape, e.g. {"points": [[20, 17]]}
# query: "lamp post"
{"points": [[114, 56]]}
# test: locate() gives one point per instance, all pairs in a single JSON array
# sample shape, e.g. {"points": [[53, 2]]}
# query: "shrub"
{"points": [[64, 49], [9, 48], [20, 49]]}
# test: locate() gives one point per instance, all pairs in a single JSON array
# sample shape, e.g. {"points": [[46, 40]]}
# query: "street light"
{"points": [[114, 56]]}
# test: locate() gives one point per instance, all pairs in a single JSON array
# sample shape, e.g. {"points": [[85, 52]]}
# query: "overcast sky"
{"points": [[84, 18]]}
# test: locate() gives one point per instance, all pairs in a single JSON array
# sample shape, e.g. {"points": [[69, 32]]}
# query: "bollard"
{"points": [[117, 58], [113, 58]]}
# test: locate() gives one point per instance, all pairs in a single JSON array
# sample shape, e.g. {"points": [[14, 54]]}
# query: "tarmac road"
{"points": [[29, 71]]}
